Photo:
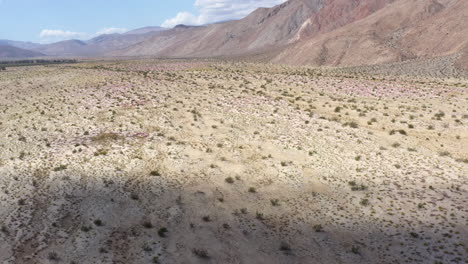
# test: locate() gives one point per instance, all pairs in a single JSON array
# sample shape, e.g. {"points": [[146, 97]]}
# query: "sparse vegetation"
{"points": [[137, 159]]}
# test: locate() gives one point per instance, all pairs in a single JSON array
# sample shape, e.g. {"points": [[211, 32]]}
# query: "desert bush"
{"points": [[285, 247], [364, 202], [229, 180], [155, 173], [105, 137], [318, 228], [201, 253], [60, 168], [259, 216], [101, 152], [352, 124], [162, 231], [444, 154], [355, 250], [274, 202], [401, 131], [53, 256], [147, 224], [356, 187], [86, 228]]}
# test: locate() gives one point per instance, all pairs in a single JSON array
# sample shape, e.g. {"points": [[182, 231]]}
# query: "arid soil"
{"points": [[201, 161]]}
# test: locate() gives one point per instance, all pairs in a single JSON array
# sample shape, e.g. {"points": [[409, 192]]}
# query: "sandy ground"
{"points": [[208, 162]]}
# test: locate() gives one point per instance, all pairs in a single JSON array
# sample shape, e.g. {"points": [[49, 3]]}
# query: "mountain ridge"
{"points": [[300, 32], [324, 32]]}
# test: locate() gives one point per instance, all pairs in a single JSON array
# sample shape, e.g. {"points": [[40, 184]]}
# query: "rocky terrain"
{"points": [[205, 161]]}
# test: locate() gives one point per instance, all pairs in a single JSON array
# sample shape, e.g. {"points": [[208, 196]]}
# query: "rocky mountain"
{"points": [[326, 32], [402, 30], [11, 52]]}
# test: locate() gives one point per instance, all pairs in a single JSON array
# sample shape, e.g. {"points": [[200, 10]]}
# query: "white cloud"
{"points": [[210, 11], [182, 18], [54, 35], [111, 30]]}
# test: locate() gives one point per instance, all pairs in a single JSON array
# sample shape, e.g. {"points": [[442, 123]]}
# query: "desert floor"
{"points": [[198, 161]]}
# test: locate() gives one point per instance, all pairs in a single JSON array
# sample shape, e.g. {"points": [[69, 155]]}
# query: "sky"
{"points": [[46, 21]]}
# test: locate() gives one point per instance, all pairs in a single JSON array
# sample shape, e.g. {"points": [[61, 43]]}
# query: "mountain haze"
{"points": [[11, 52], [97, 46], [19, 44]]}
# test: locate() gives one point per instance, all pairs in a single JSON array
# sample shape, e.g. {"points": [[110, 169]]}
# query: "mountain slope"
{"points": [[14, 52], [403, 30], [62, 48], [265, 28], [325, 32]]}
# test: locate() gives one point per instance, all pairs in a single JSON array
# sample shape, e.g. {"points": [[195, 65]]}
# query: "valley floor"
{"points": [[194, 161]]}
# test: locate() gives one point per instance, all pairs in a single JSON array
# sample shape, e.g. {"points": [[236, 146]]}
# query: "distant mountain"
{"points": [[302, 32], [99, 45], [11, 52], [145, 30], [62, 48], [113, 42], [19, 44], [93, 47]]}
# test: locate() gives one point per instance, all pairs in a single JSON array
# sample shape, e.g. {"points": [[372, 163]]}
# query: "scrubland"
{"points": [[203, 161]]}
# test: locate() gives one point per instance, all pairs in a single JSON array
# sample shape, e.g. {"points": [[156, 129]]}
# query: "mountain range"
{"points": [[301, 32], [7, 51]]}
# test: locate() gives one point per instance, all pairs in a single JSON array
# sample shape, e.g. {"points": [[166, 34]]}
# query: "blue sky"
{"points": [[54, 20]]}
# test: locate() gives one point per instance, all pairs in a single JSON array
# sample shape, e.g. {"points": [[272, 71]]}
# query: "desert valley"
{"points": [[315, 131]]}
